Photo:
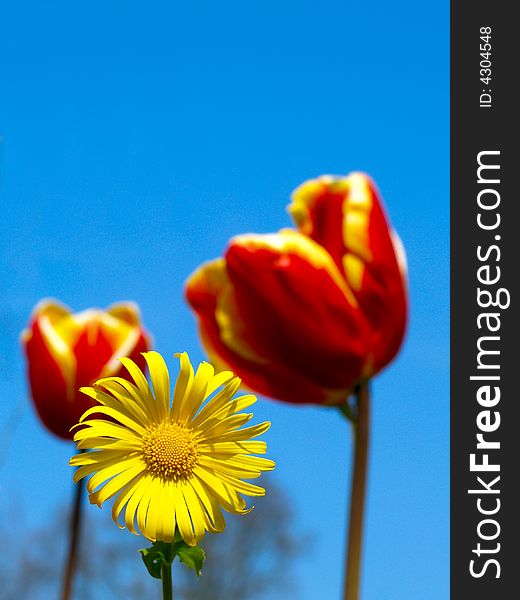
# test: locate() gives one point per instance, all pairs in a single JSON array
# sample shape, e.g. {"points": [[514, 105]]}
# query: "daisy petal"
{"points": [[124, 497], [219, 400], [224, 426], [112, 468], [144, 524], [242, 487], [218, 380], [196, 510], [183, 385], [215, 520], [133, 503], [224, 466], [114, 485], [101, 428], [126, 395], [94, 443], [160, 381], [226, 495], [142, 385], [247, 432], [197, 393], [247, 447], [86, 469], [182, 517], [115, 414]]}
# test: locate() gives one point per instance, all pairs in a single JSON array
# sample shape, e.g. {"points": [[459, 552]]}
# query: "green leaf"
{"points": [[159, 554], [163, 553], [346, 411], [192, 557]]}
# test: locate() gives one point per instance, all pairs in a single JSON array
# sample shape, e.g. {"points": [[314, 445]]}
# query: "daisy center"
{"points": [[169, 451]]}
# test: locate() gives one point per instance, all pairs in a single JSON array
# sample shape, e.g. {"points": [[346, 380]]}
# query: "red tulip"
{"points": [[66, 351], [303, 316]]}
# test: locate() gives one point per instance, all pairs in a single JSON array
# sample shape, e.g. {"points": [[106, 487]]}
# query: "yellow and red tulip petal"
{"points": [[279, 313], [126, 311], [345, 215], [66, 351], [51, 387]]}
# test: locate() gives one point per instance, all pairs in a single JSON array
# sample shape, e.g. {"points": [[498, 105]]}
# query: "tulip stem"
{"points": [[166, 576], [75, 530], [361, 423]]}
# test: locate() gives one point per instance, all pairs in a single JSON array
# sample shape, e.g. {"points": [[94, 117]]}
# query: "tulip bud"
{"points": [[66, 351], [303, 316]]}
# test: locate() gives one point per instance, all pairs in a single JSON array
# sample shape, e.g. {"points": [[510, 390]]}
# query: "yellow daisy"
{"points": [[172, 463]]}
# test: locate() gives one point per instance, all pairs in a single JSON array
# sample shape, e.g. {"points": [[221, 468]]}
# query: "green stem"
{"points": [[361, 426], [166, 576], [75, 531]]}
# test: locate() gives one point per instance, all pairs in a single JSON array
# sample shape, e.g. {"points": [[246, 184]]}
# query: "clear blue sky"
{"points": [[137, 138]]}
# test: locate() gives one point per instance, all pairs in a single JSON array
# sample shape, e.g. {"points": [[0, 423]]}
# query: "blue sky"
{"points": [[136, 139]]}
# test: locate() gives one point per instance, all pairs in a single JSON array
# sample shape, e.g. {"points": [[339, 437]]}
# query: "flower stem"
{"points": [[75, 530], [166, 576], [361, 424]]}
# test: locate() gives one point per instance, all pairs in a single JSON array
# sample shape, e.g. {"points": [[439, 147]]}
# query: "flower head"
{"points": [[303, 316], [173, 463], [68, 350]]}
